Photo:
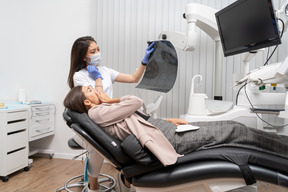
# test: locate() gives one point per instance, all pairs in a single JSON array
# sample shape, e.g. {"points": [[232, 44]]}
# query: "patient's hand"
{"points": [[177, 121], [102, 96], [105, 98]]}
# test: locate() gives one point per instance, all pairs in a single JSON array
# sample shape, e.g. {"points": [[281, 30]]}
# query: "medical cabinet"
{"points": [[14, 146]]}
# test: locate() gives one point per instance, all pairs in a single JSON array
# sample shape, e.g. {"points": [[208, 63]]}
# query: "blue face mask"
{"points": [[95, 59]]}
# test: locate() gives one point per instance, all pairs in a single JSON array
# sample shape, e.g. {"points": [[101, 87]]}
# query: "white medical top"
{"points": [[83, 78]]}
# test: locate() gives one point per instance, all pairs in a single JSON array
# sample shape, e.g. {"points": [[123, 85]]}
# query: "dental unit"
{"points": [[248, 99]]}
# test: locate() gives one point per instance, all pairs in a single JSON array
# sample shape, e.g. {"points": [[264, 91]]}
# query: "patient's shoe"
{"points": [[120, 186]]}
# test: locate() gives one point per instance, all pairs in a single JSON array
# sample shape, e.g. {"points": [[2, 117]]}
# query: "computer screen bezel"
{"points": [[253, 47]]}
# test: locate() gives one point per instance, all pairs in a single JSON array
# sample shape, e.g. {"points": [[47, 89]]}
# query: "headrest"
{"points": [[67, 118]]}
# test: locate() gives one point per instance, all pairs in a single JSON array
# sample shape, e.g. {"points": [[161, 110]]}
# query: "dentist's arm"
{"points": [[98, 84], [93, 71], [127, 78], [134, 78]]}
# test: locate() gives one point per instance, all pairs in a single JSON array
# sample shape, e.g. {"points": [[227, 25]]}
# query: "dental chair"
{"points": [[211, 170]]}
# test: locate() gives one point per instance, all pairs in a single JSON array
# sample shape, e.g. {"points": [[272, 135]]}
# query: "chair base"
{"points": [[109, 181], [208, 185]]}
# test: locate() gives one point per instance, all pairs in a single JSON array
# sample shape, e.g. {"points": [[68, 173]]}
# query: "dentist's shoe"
{"points": [[90, 190], [120, 186]]}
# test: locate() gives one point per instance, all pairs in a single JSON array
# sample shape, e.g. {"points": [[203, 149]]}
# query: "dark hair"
{"points": [[75, 100], [78, 54]]}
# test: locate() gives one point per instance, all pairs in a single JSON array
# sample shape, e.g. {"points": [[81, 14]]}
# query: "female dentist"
{"points": [[85, 67], [85, 70]]}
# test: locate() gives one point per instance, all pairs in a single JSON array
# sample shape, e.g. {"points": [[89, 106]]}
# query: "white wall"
{"points": [[36, 38]]}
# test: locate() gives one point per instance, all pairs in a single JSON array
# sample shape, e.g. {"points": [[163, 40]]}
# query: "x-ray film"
{"points": [[161, 71]]}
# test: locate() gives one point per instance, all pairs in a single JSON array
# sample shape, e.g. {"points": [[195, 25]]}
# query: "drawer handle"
{"points": [[43, 129], [14, 151], [42, 108], [16, 121], [42, 114], [43, 120], [15, 132]]}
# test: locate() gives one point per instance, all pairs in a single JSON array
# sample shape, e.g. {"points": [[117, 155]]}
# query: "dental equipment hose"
{"points": [[268, 59]]}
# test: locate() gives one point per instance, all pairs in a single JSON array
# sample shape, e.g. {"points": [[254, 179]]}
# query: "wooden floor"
{"points": [[46, 175]]}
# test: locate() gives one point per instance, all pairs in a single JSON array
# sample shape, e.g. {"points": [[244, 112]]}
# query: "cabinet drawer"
{"points": [[17, 140], [42, 113], [41, 120], [17, 160], [42, 108], [17, 125], [16, 115], [42, 129]]}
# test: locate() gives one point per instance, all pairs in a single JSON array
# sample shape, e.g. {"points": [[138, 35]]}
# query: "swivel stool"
{"points": [[82, 179]]}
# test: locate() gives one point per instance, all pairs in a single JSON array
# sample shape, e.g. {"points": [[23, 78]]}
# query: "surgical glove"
{"points": [[148, 52], [92, 70]]}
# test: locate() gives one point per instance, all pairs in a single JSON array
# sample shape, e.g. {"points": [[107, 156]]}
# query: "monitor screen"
{"points": [[247, 25]]}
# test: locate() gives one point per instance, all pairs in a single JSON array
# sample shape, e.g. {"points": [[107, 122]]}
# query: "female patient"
{"points": [[86, 69], [118, 118]]}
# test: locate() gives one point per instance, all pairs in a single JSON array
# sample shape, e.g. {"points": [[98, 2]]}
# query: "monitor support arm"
{"points": [[204, 18], [196, 15]]}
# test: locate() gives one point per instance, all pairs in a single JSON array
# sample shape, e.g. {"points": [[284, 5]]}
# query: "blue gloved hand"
{"points": [[92, 70], [148, 52]]}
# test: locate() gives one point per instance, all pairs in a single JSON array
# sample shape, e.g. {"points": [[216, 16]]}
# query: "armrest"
{"points": [[134, 149]]}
